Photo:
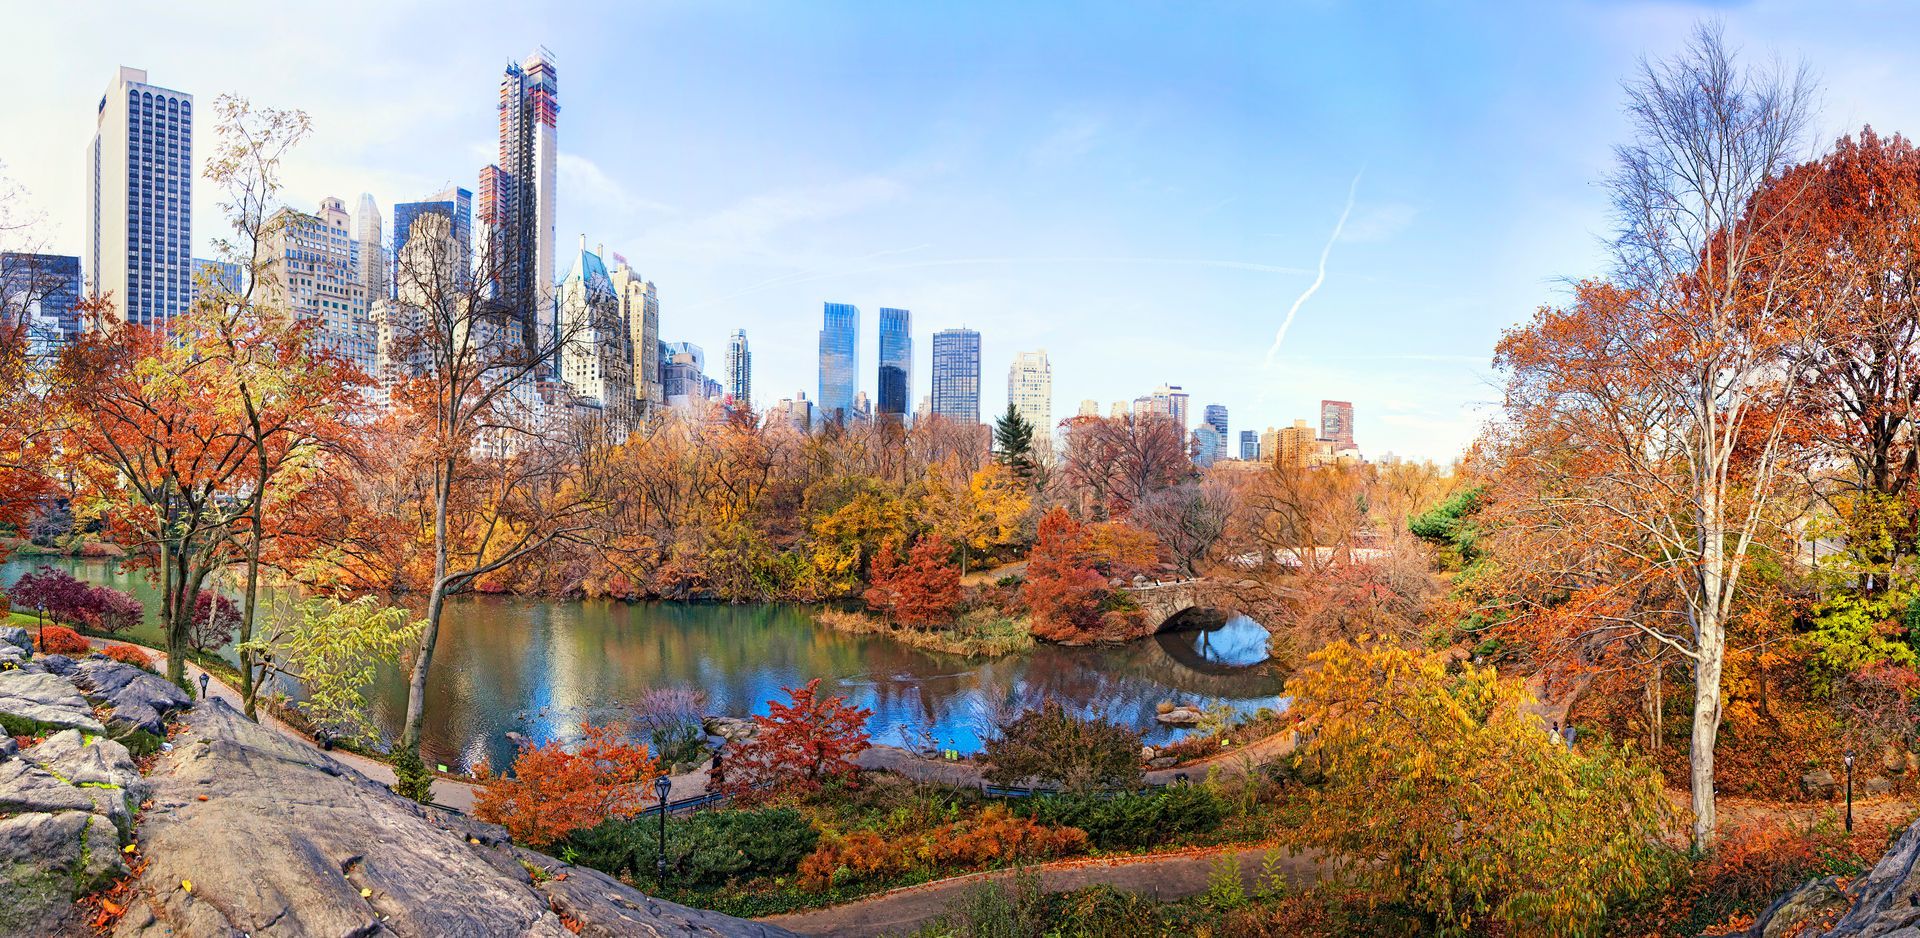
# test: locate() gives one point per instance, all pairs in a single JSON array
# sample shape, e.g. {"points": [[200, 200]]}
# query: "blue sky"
{"points": [[1141, 189]]}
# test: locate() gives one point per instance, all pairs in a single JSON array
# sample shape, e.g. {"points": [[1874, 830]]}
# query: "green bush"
{"points": [[1055, 746], [1134, 819], [705, 850]]}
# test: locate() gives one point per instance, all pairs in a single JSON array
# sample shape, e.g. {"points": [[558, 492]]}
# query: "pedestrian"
{"points": [[1555, 732], [1569, 734]]}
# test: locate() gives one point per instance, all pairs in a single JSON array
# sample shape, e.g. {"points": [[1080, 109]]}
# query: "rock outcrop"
{"points": [[1886, 901], [66, 801], [278, 839]]}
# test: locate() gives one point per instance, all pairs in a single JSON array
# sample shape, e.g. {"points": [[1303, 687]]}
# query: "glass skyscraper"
{"points": [[1249, 446], [44, 291], [896, 362], [956, 374], [139, 188], [455, 205], [517, 193], [1215, 416], [839, 360], [740, 370]]}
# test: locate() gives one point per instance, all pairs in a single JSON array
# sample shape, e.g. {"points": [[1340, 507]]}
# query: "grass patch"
{"points": [[980, 633]]}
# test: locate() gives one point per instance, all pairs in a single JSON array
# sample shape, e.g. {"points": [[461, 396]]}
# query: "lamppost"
{"points": [[661, 787], [1849, 761], [203, 685]]}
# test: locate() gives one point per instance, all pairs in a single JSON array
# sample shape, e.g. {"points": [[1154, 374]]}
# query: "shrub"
{"points": [[59, 640], [130, 654], [1132, 820], [1053, 745], [858, 855], [111, 610], [996, 835], [800, 745], [707, 850], [555, 791], [214, 619]]}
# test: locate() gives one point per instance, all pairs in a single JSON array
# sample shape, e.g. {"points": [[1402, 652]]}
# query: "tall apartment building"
{"points": [[431, 258], [596, 361], [1249, 446], [453, 204], [1030, 388], [219, 275], [683, 375], [310, 272], [139, 194], [1294, 446], [740, 371], [956, 375], [1170, 401], [1089, 408], [640, 304], [43, 292], [1336, 423], [839, 360], [895, 382], [517, 194], [1215, 416], [369, 254]]}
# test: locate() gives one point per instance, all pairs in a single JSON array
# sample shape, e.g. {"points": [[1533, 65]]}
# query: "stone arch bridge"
{"points": [[1193, 604]]}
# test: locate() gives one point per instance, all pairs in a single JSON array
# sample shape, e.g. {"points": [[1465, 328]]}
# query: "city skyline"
{"points": [[1076, 206]]}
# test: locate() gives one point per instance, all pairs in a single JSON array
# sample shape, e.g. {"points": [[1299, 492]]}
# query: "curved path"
{"points": [[1161, 876]]}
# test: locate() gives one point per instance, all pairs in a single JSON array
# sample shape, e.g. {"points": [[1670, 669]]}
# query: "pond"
{"points": [[539, 667]]}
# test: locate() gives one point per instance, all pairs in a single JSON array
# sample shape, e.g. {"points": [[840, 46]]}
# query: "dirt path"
{"points": [[1160, 877]]}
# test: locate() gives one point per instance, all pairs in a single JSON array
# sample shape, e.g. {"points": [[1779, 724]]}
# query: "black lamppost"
{"points": [[1849, 761], [661, 787], [203, 685]]}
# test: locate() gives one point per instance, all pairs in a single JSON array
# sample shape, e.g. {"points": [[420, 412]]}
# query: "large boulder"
{"points": [[141, 700], [1815, 901], [48, 859], [279, 839], [16, 637], [34, 702], [1818, 783]]}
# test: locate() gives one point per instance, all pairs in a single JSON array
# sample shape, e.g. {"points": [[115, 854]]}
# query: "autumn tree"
{"points": [[1189, 520], [924, 591], [1444, 794], [984, 514], [152, 441], [800, 744], [554, 790], [1113, 463], [1656, 413], [1069, 573], [333, 649]]}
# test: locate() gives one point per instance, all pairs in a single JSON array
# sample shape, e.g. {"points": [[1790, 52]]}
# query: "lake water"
{"points": [[540, 667]]}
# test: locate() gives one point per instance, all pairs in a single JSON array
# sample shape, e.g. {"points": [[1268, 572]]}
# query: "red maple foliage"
{"points": [[800, 745], [59, 640], [1067, 586], [923, 591], [555, 791]]}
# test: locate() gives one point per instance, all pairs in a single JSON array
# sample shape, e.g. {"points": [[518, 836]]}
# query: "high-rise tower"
{"points": [[740, 370], [896, 363], [839, 360], [369, 255], [1030, 388], [1336, 423], [517, 193], [138, 222], [956, 374]]}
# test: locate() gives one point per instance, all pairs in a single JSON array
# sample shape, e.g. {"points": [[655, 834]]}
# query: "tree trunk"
{"points": [[247, 689], [436, 604]]}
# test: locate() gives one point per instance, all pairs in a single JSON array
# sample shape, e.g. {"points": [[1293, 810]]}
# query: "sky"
{"points": [[1143, 190]]}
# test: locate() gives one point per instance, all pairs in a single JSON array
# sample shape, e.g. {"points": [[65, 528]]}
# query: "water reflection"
{"points": [[540, 667]]}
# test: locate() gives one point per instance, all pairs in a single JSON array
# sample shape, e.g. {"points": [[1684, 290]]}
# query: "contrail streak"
{"points": [[1319, 278]]}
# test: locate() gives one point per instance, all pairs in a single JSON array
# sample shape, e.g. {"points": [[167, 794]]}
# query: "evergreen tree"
{"points": [[1013, 440]]}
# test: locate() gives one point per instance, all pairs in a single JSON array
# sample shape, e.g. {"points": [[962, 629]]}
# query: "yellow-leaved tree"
{"points": [[1441, 793]]}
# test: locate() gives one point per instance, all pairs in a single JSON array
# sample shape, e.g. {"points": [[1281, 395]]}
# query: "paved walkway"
{"points": [[1160, 877]]}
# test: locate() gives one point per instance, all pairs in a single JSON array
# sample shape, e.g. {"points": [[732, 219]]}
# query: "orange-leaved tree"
{"points": [[923, 591], [1068, 575], [1656, 417], [800, 744], [555, 790]]}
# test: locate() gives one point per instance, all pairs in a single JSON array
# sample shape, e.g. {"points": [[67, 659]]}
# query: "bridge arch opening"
{"points": [[1213, 640]]}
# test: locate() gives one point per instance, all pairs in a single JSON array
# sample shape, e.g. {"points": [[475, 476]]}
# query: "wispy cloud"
{"points": [[580, 174], [1320, 277], [1074, 136]]}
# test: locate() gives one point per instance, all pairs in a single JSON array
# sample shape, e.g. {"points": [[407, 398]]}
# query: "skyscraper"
{"points": [[139, 186], [839, 360], [452, 203], [1169, 400], [896, 363], [956, 374], [309, 270], [1215, 416], [517, 193], [1030, 388], [1249, 446], [640, 304], [43, 291], [740, 370], [369, 255], [1336, 423]]}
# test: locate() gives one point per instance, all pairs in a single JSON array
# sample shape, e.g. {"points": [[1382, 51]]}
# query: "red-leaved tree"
{"points": [[555, 791], [924, 591], [800, 745], [1068, 586]]}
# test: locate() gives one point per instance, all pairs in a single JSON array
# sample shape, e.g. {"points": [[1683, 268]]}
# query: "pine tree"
{"points": [[1013, 439]]}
